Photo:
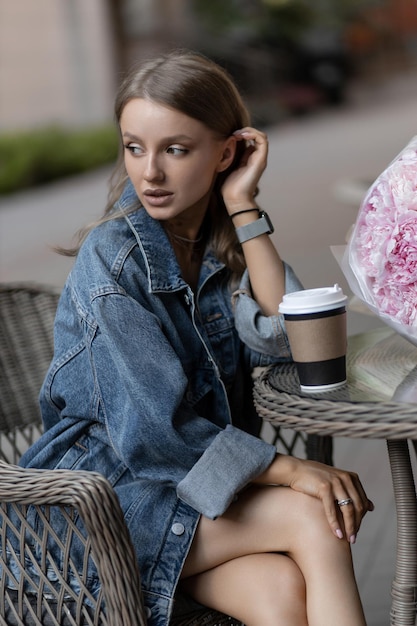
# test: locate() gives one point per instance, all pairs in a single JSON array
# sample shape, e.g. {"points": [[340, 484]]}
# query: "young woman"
{"points": [[172, 301]]}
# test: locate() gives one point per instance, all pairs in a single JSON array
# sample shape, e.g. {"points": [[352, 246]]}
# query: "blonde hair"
{"points": [[198, 87]]}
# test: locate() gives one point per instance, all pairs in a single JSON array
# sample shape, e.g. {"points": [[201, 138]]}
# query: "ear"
{"points": [[227, 154]]}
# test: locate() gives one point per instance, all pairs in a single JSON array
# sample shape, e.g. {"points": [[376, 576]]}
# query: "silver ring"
{"points": [[345, 502]]}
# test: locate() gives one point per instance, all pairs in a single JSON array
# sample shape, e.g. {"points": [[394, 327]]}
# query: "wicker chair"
{"points": [[27, 314], [29, 596]]}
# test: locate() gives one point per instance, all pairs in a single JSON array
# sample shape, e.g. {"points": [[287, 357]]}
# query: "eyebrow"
{"points": [[173, 139]]}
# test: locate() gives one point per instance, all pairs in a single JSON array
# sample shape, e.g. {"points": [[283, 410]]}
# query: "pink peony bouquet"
{"points": [[380, 261]]}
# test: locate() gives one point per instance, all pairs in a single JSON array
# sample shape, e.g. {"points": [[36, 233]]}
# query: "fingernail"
{"points": [[352, 539], [339, 533]]}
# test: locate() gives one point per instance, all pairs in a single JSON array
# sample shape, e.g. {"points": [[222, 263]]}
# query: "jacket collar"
{"points": [[164, 273]]}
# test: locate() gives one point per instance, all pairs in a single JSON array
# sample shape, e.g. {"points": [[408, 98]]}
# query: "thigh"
{"points": [[256, 589], [262, 519]]}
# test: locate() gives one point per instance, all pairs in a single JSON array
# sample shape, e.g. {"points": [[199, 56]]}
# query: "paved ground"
{"points": [[315, 165]]}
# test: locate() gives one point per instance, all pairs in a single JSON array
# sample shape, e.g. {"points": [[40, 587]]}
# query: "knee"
{"points": [[314, 530], [309, 514]]}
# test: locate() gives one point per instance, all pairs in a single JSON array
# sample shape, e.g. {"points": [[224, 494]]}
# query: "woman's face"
{"points": [[171, 159]]}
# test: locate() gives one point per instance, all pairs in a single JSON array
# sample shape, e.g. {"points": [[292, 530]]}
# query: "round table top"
{"points": [[378, 401]]}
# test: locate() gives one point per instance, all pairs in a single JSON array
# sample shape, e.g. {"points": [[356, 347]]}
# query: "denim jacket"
{"points": [[150, 384]]}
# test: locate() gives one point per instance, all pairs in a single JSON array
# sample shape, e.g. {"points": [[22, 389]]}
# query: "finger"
{"points": [[332, 513], [252, 136], [367, 503], [255, 150], [361, 502], [348, 514], [343, 514], [359, 488], [353, 508]]}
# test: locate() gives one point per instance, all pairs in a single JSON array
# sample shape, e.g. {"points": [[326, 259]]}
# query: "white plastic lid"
{"points": [[312, 300]]}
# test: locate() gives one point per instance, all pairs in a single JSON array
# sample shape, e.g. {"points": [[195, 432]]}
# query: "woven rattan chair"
{"points": [[27, 314], [29, 596]]}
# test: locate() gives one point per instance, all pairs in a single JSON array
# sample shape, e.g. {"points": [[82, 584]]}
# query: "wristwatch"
{"points": [[254, 229]]}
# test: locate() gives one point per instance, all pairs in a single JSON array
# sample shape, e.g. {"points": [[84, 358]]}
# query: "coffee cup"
{"points": [[315, 320]]}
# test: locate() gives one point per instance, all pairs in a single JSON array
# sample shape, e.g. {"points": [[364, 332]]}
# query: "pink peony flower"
{"points": [[383, 246], [401, 251]]}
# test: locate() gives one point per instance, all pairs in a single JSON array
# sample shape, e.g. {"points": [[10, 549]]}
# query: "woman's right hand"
{"points": [[240, 187]]}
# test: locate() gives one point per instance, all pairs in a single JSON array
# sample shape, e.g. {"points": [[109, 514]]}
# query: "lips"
{"points": [[157, 197], [158, 193]]}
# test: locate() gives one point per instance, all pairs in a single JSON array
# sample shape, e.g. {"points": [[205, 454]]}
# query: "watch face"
{"points": [[265, 215]]}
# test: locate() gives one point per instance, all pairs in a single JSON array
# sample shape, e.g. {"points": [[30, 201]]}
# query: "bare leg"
{"points": [[278, 519], [265, 589]]}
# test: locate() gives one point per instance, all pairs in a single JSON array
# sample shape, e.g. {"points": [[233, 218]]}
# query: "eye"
{"points": [[176, 150], [133, 148]]}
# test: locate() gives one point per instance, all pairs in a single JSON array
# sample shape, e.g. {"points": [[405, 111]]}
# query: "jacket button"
{"points": [[178, 529]]}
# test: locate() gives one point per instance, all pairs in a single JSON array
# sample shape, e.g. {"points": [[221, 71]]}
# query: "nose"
{"points": [[153, 169]]}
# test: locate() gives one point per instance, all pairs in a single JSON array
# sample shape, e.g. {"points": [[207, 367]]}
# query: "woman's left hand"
{"points": [[240, 187], [341, 492], [329, 484]]}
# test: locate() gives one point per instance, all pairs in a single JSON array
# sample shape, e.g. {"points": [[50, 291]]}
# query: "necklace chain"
{"points": [[184, 239]]}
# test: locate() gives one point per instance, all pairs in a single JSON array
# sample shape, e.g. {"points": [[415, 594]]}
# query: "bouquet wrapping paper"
{"points": [[380, 260]]}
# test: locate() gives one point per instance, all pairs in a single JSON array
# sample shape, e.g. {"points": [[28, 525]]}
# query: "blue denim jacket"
{"points": [[150, 385]]}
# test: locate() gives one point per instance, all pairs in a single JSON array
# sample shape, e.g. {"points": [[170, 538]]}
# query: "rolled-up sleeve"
{"points": [[264, 334], [232, 460]]}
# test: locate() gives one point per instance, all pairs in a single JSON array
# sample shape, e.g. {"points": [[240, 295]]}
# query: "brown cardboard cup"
{"points": [[315, 320]]}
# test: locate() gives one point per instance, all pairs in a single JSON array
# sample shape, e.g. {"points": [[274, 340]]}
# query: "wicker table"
{"points": [[377, 402]]}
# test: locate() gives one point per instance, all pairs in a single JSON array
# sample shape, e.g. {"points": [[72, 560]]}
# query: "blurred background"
{"points": [[60, 62]]}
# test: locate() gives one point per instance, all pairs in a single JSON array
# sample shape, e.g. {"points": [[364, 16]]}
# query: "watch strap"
{"points": [[254, 229]]}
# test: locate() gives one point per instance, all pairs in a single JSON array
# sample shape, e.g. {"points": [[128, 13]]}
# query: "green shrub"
{"points": [[37, 157]]}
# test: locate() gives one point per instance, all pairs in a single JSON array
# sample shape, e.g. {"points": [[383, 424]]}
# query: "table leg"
{"points": [[320, 448], [404, 586]]}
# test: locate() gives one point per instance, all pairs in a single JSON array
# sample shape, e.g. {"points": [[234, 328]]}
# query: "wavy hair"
{"points": [[198, 87]]}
